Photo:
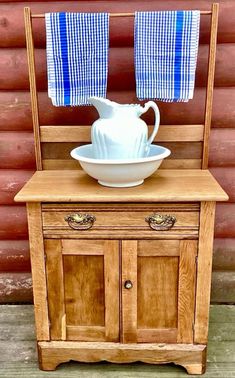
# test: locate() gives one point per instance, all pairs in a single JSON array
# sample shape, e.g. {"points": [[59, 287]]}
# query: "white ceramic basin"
{"points": [[120, 172]]}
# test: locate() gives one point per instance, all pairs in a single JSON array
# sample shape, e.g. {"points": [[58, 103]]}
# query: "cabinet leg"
{"points": [[197, 369], [47, 364]]}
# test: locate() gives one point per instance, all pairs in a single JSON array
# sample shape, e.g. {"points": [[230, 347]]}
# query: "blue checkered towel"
{"points": [[77, 56], [166, 46]]}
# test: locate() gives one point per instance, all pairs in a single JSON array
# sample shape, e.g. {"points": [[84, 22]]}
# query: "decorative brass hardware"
{"points": [[80, 221], [128, 284], [161, 222]]}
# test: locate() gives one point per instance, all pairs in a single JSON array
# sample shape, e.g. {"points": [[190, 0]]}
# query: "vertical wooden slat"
{"points": [[210, 83], [38, 271], [205, 247], [63, 327], [111, 277], [129, 296], [33, 87], [186, 296], [55, 285]]}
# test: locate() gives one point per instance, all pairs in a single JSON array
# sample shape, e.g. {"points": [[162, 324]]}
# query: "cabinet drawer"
{"points": [[121, 220]]}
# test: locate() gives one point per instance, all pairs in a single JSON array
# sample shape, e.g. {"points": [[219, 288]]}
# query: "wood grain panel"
{"points": [[121, 30], [192, 357], [121, 76], [178, 133], [127, 218], [112, 290], [90, 291], [11, 181], [224, 222], [164, 335], [127, 205], [181, 164], [164, 186], [179, 150], [84, 290], [157, 292], [204, 267], [33, 85], [158, 248], [210, 83], [15, 111], [124, 234], [38, 271], [129, 296], [55, 287], [82, 247], [14, 256], [60, 164], [85, 333], [13, 223], [186, 293]]}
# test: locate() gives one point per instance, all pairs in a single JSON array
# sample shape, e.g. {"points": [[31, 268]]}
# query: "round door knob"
{"points": [[128, 284]]}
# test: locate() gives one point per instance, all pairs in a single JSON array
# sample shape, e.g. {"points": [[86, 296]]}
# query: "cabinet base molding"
{"points": [[191, 357]]}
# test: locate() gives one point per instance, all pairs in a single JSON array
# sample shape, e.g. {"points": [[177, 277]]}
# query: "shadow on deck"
{"points": [[18, 351]]}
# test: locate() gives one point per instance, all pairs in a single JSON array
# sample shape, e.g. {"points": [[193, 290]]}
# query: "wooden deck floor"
{"points": [[18, 353]]}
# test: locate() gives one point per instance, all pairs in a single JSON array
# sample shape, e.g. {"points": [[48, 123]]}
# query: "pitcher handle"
{"points": [[151, 104]]}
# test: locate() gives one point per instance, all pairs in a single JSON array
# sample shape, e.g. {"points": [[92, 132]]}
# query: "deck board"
{"points": [[18, 350]]}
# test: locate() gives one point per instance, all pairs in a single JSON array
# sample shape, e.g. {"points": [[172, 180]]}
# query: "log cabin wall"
{"points": [[17, 160]]}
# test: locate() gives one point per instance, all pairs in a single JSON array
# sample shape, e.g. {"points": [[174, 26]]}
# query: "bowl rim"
{"points": [[166, 152]]}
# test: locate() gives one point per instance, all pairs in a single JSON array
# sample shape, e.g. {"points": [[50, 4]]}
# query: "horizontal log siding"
{"points": [[17, 161], [15, 112], [121, 75], [121, 33]]}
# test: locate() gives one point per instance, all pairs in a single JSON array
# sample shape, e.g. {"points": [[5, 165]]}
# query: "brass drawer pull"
{"points": [[80, 221], [160, 222], [128, 284]]}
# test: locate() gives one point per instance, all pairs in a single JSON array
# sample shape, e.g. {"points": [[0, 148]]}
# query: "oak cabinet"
{"points": [[154, 279], [117, 275]]}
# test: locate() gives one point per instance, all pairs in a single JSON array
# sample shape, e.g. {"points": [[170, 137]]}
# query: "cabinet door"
{"points": [[158, 290], [83, 289]]}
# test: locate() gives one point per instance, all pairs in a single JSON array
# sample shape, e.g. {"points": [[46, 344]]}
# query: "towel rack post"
{"points": [[33, 86], [210, 83]]}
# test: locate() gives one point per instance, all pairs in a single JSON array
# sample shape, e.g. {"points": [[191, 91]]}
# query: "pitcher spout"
{"points": [[104, 106]]}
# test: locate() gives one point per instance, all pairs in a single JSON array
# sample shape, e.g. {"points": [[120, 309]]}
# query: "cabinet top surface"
{"points": [[163, 186]]}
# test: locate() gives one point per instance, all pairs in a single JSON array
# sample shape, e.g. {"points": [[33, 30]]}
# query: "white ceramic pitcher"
{"points": [[119, 133]]}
